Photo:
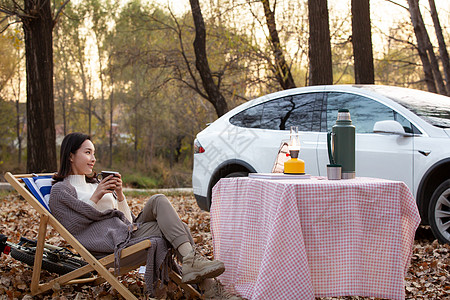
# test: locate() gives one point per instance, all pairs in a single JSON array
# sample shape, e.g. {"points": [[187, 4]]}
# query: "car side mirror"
{"points": [[389, 127]]}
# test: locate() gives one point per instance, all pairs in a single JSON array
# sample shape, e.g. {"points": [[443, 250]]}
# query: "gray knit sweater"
{"points": [[106, 232]]}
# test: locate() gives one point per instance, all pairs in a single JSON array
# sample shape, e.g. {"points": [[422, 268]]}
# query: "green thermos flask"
{"points": [[341, 144]]}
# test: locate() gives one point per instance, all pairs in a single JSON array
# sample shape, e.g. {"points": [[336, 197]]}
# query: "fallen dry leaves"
{"points": [[427, 278]]}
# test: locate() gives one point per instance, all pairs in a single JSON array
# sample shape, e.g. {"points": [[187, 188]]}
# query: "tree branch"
{"points": [[8, 12], [7, 25], [18, 13], [58, 13], [402, 6], [194, 87], [402, 41], [185, 59]]}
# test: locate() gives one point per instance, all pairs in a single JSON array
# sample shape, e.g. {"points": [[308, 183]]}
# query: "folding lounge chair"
{"points": [[37, 195]]}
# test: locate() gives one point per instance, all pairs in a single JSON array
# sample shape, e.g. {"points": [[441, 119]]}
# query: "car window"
{"points": [[295, 110], [407, 125], [250, 118], [431, 107], [281, 114], [364, 112]]}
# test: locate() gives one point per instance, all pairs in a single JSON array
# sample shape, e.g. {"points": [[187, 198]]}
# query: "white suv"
{"points": [[411, 143]]}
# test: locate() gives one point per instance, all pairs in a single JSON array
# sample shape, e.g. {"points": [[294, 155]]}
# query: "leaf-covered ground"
{"points": [[428, 276]]}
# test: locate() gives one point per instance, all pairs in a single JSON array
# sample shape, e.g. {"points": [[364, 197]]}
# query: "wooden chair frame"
{"points": [[98, 265]]}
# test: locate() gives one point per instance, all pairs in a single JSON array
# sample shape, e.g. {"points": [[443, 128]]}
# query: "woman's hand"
{"points": [[108, 184], [118, 189]]}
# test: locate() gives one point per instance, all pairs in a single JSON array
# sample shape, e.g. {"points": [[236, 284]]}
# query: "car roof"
{"points": [[308, 89], [360, 89]]}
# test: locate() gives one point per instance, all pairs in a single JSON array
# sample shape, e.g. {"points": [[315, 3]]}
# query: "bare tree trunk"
{"points": [[281, 68], [442, 47], [19, 134], [362, 42], [137, 97], [136, 136], [426, 49], [102, 89], [215, 97], [111, 110], [18, 122], [64, 95], [321, 70], [90, 115], [41, 136], [84, 86]]}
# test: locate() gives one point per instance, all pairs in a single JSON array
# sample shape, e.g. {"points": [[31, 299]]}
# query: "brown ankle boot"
{"points": [[196, 268], [217, 291]]}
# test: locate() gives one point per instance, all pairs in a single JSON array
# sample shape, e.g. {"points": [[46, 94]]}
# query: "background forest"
{"points": [[125, 72]]}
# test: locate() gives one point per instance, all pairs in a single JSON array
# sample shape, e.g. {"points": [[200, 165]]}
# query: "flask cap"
{"points": [[343, 115]]}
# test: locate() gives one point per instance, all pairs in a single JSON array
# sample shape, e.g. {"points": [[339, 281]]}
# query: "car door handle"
{"points": [[424, 152]]}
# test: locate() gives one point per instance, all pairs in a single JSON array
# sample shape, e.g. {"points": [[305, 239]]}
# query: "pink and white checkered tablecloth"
{"points": [[306, 238]]}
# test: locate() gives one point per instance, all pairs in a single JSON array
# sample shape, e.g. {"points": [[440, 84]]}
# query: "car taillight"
{"points": [[198, 148]]}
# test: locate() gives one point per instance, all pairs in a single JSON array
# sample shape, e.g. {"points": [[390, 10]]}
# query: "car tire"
{"points": [[237, 174], [439, 212]]}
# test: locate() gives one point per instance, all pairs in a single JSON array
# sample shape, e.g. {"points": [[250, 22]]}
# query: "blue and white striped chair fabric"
{"points": [[40, 187]]}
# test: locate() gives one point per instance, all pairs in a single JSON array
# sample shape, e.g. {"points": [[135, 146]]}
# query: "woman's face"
{"points": [[82, 162]]}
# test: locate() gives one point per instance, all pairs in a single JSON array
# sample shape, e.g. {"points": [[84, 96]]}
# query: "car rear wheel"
{"points": [[439, 212], [237, 174]]}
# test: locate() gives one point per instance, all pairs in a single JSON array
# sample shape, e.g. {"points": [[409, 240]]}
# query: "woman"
{"points": [[98, 215]]}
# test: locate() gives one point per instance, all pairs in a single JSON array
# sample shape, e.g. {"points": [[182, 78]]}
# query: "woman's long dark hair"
{"points": [[70, 144]]}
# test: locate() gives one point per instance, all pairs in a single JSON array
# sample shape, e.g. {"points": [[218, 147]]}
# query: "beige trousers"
{"points": [[159, 218]]}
